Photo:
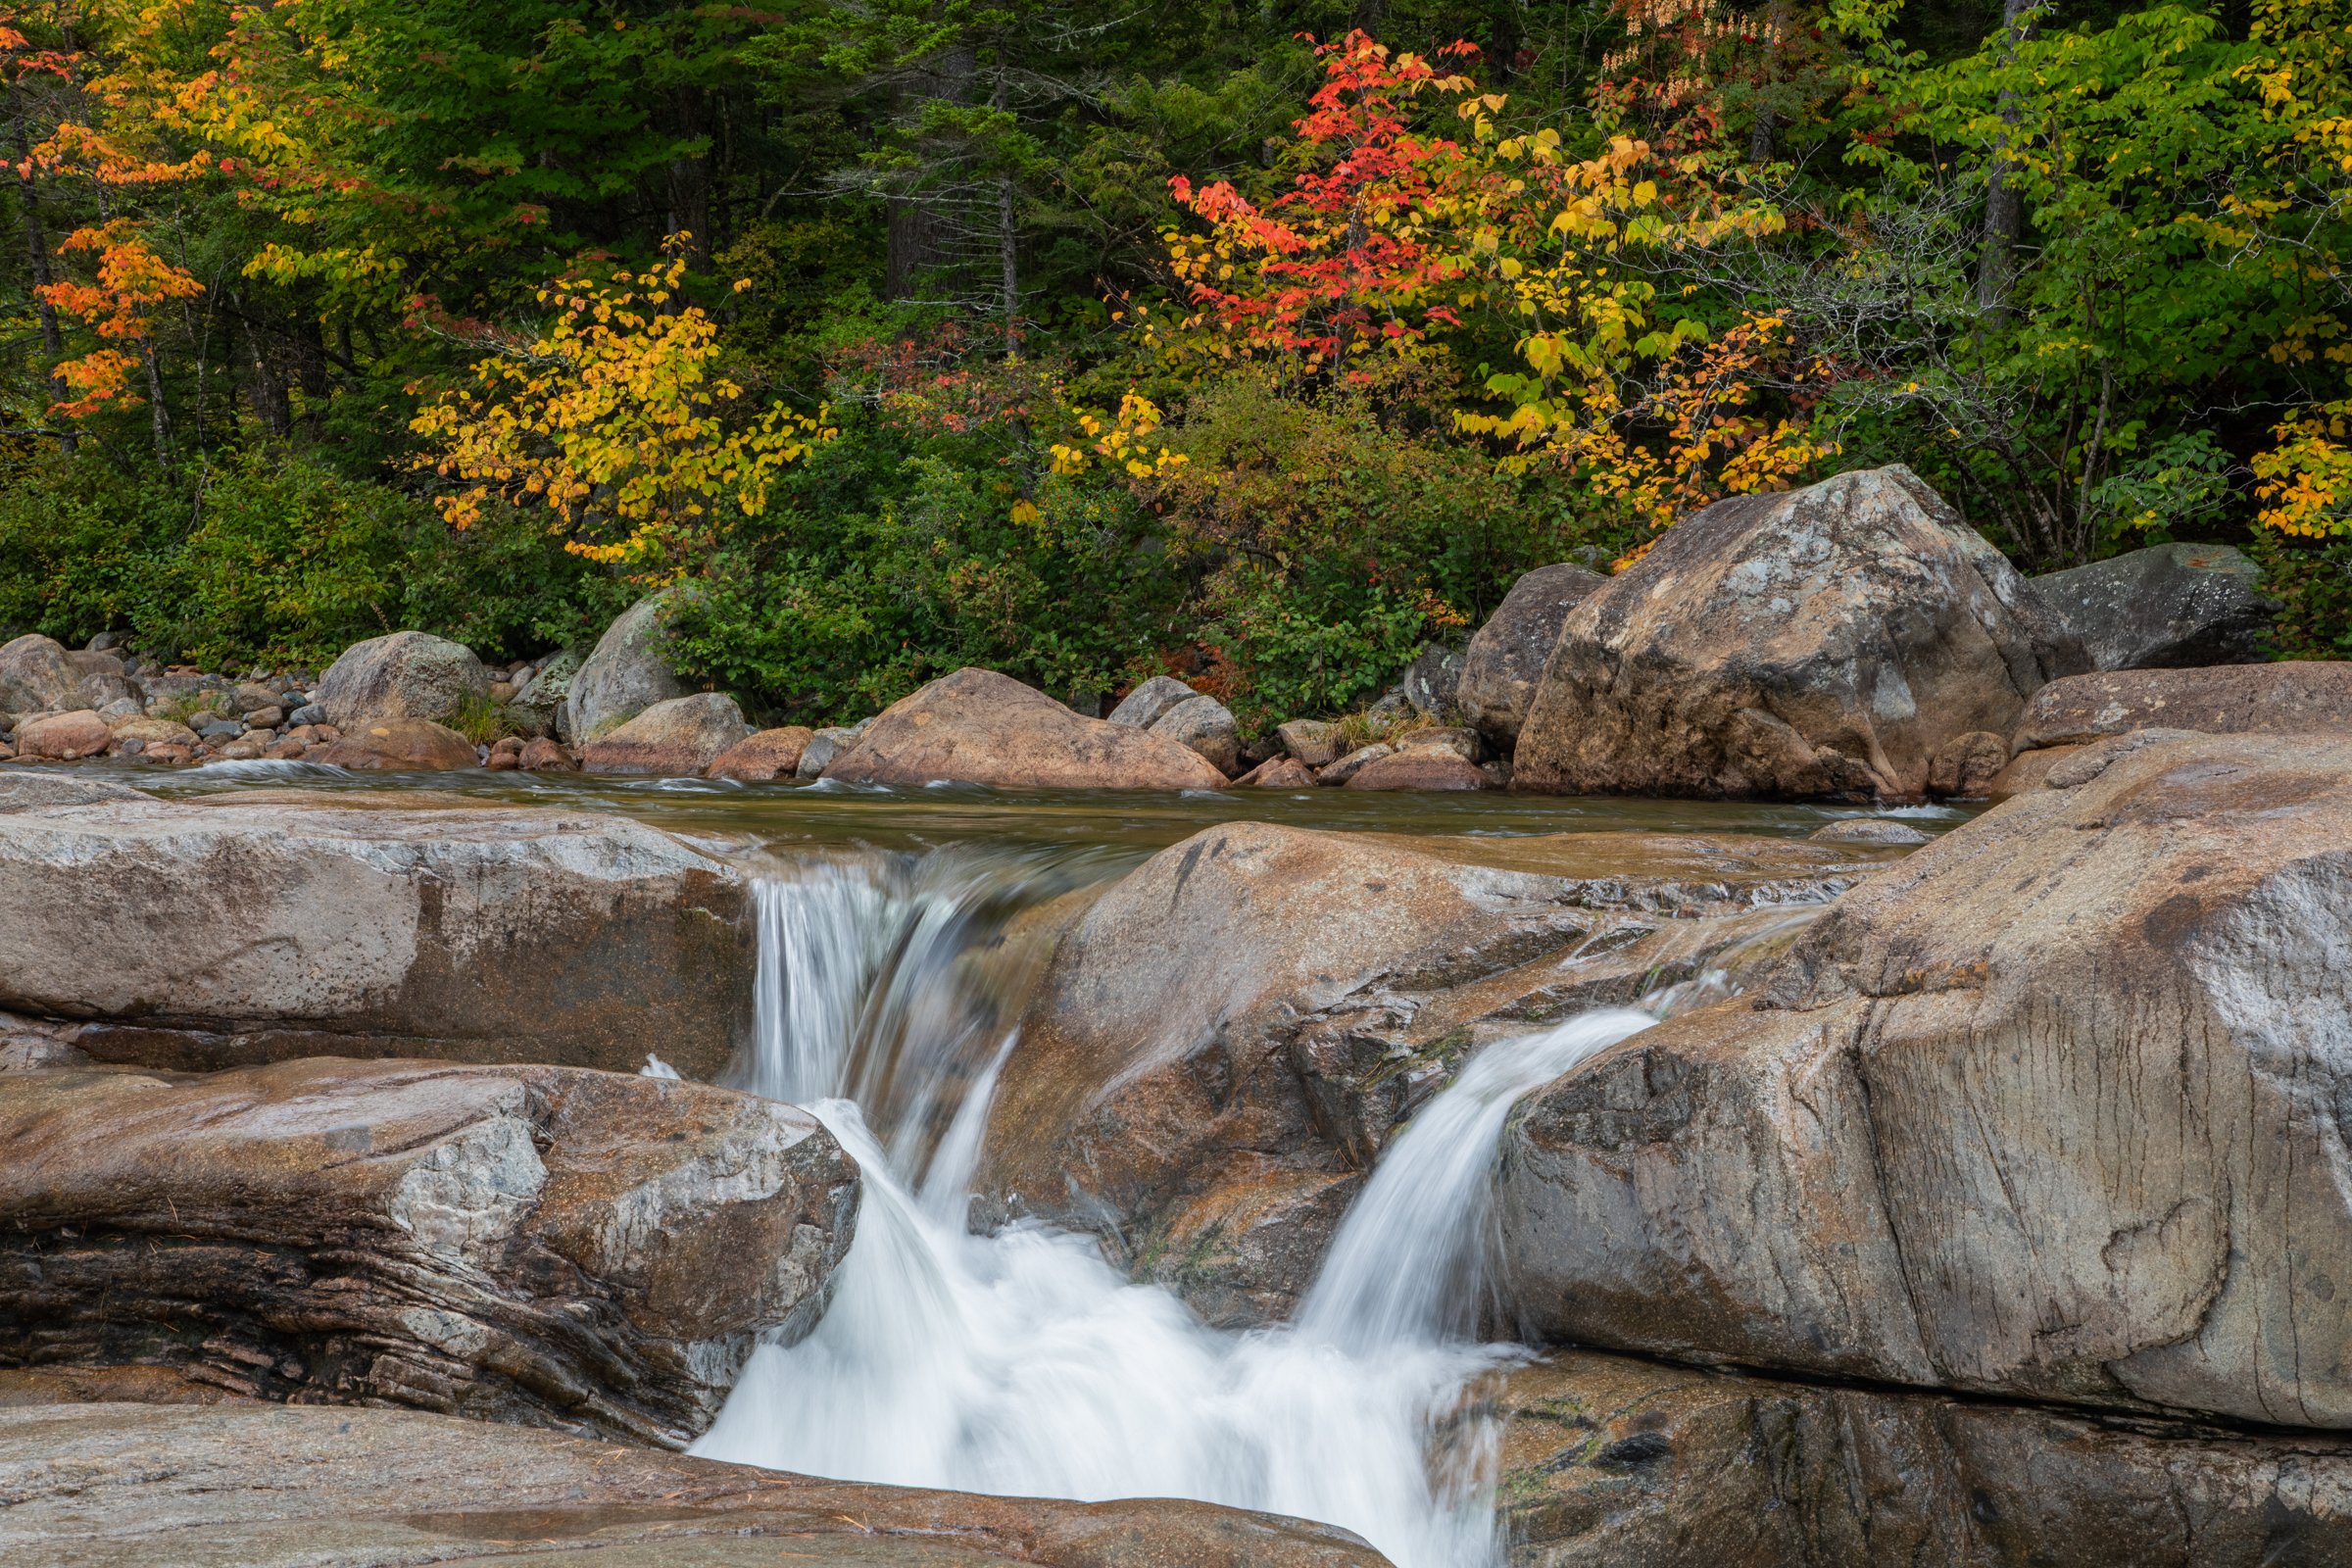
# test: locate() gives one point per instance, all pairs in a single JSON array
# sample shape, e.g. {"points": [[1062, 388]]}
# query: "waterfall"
{"points": [[1021, 1362]]}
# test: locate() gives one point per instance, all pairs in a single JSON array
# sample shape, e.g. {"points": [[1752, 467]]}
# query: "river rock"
{"points": [[1432, 682], [1868, 830], [1826, 642], [680, 738], [1347, 768], [395, 745], [34, 675], [1419, 768], [979, 727], [827, 744], [1506, 656], [1149, 703], [2163, 608], [770, 755], [1606, 1460], [629, 671], [540, 754], [278, 925], [2296, 695], [249, 1486], [1205, 725], [1311, 741], [1277, 774], [64, 737], [538, 1244], [1224, 1038], [408, 674], [2047, 1111]]}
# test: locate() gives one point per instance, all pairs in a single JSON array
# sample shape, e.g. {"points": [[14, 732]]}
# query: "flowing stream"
{"points": [[1022, 1363]]}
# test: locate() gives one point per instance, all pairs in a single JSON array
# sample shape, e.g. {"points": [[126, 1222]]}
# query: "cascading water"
{"points": [[1021, 1362]]}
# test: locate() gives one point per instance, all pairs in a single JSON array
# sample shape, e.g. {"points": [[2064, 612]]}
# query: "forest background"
{"points": [[1260, 344]]}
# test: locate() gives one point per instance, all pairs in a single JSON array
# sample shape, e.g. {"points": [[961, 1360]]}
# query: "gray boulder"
{"points": [[1148, 704], [1432, 683], [36, 675], [834, 740], [679, 738], [1827, 642], [2050, 1111], [1203, 724], [540, 702], [628, 672], [2168, 607], [408, 674], [241, 933], [539, 1245], [1506, 656]]}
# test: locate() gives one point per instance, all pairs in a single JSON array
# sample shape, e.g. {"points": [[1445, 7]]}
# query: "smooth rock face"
{"points": [[126, 1486], [2281, 699], [2048, 1110], [1827, 642], [1506, 656], [770, 753], [679, 738], [2167, 607], [64, 737], [408, 674], [628, 672], [537, 1244], [1607, 1460], [270, 927], [979, 727], [34, 674], [1203, 725], [1419, 768], [1224, 1038], [398, 745], [1149, 703]]}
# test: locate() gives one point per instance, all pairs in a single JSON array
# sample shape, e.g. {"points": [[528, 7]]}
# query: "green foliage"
{"points": [[2312, 581]]}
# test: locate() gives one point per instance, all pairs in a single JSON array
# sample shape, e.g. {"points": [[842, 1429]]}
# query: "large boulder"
{"points": [[1224, 1039], [1827, 642], [1606, 1460], [979, 727], [2163, 608], [2278, 699], [1506, 656], [209, 935], [1432, 683], [679, 738], [64, 737], [629, 671], [408, 674], [1166, 705], [2053, 1111], [1144, 707], [127, 1486], [34, 674], [539, 1245]]}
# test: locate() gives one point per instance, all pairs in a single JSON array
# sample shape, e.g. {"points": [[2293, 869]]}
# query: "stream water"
{"points": [[891, 968]]}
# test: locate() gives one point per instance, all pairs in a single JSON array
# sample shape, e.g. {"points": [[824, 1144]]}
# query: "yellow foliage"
{"points": [[614, 420], [1127, 440]]}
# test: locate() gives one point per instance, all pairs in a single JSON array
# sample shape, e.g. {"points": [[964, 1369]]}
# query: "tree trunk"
{"points": [[1762, 136], [36, 252], [158, 414], [1008, 260], [2004, 206]]}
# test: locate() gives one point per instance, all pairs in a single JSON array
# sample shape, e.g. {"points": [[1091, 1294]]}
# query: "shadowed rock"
{"points": [[2167, 607], [538, 1244], [1827, 642], [1607, 1460], [2048, 1110], [277, 925], [1506, 656], [979, 727], [2281, 699]]}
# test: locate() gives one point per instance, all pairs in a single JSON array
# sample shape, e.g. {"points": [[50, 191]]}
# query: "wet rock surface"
{"points": [[1828, 642], [283, 924], [1224, 1038], [120, 1486], [2047, 1111], [534, 1244], [979, 727], [1608, 1461]]}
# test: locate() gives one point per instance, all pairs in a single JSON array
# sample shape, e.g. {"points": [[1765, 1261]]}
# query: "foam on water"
{"points": [[1021, 1362]]}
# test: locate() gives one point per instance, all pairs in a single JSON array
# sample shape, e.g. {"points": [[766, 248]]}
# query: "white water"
{"points": [[1021, 1362]]}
